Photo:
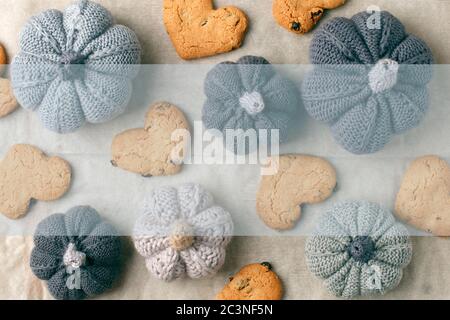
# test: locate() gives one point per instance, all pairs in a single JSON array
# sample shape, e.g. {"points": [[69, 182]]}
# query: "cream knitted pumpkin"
{"points": [[181, 231]]}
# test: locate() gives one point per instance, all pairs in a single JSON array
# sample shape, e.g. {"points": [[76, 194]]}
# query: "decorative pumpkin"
{"points": [[181, 231], [369, 82], [249, 94], [76, 253], [359, 249], [75, 67]]}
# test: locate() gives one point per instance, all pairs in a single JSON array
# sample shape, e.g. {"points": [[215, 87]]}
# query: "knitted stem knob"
{"points": [[253, 102], [181, 237], [383, 75], [73, 258], [361, 248]]}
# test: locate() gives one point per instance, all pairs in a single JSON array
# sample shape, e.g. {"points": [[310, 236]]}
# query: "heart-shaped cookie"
{"points": [[424, 197], [198, 30], [300, 16], [149, 151], [299, 180]]}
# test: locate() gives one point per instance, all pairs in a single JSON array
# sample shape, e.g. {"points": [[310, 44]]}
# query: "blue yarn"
{"points": [[368, 83], [75, 67]]}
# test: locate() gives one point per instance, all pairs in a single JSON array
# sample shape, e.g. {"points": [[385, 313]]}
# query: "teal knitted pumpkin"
{"points": [[75, 67], [359, 249]]}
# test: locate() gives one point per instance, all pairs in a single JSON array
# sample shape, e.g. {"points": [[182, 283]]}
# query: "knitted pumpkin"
{"points": [[76, 253], [369, 82], [359, 249], [249, 94], [75, 67], [181, 231]]}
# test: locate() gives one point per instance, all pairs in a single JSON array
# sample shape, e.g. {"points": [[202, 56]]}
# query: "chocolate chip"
{"points": [[113, 163], [230, 279], [317, 13], [296, 26], [267, 265], [147, 175]]}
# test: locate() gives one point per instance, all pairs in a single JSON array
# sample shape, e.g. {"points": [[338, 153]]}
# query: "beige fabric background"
{"points": [[428, 275]]}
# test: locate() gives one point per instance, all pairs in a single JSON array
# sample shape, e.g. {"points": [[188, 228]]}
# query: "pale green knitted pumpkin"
{"points": [[359, 249]]}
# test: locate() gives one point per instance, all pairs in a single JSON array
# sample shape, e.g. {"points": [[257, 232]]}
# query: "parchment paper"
{"points": [[118, 195]]}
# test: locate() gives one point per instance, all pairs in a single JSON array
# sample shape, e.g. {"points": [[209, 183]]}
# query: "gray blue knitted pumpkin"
{"points": [[246, 95], [76, 253], [358, 249], [75, 67], [369, 82]]}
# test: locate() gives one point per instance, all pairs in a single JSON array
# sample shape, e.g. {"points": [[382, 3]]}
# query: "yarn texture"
{"points": [[75, 67], [249, 95], [76, 253], [359, 249], [369, 82], [181, 232]]}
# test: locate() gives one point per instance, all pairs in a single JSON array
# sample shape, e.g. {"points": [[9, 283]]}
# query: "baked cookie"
{"points": [[253, 282], [3, 59], [8, 102], [198, 30], [424, 197], [149, 151], [300, 16], [26, 173], [300, 179]]}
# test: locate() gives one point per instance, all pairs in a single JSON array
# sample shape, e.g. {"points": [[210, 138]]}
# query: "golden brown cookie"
{"points": [[3, 59], [149, 151], [27, 173], [424, 197], [8, 102], [300, 16], [198, 30], [253, 282], [299, 180]]}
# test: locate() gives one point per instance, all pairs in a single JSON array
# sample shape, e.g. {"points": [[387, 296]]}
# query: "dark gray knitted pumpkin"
{"points": [[370, 80], [359, 249], [76, 253], [249, 94]]}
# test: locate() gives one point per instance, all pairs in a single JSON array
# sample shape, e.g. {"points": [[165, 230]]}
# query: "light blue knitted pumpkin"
{"points": [[369, 82], [359, 249], [75, 67], [246, 95]]}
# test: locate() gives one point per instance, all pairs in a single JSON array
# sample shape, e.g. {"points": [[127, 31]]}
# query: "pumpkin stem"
{"points": [[252, 102], [383, 75], [181, 237], [361, 248], [73, 258]]}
